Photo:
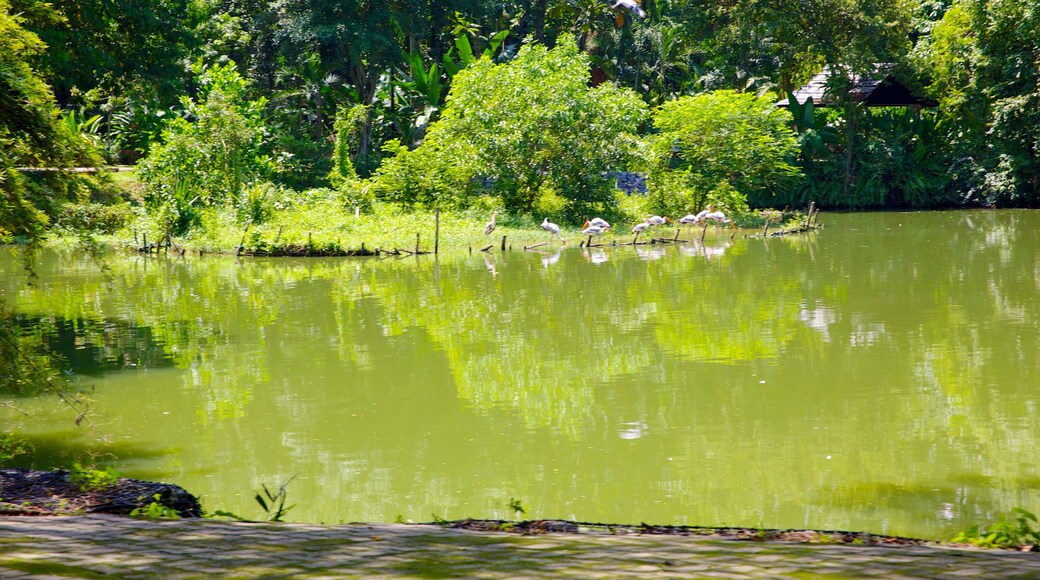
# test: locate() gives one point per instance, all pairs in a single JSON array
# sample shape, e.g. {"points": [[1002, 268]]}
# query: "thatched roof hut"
{"points": [[880, 89]]}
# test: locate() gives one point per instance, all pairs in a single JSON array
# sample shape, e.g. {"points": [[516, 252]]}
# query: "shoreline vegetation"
{"points": [[314, 226]]}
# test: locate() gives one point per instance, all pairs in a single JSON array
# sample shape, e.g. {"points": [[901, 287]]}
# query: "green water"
{"points": [[880, 375]]}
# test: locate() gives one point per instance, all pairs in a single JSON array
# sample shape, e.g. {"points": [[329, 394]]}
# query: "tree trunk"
{"points": [[540, 7], [850, 124]]}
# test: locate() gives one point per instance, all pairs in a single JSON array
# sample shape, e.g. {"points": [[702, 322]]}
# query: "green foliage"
{"points": [[11, 446], [94, 217], [426, 83], [27, 367], [787, 42], [273, 504], [114, 44], [981, 60], [427, 176], [258, 202], [516, 506], [524, 128], [438, 520], [898, 162], [92, 479], [349, 126], [214, 157], [1016, 532], [466, 55], [155, 510], [723, 137], [32, 133]]}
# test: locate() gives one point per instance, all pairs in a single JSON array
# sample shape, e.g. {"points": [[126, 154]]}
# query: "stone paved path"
{"points": [[118, 547]]}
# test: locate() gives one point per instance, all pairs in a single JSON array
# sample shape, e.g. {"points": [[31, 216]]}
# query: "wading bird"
{"points": [[656, 220], [714, 216], [688, 220], [589, 229], [553, 229], [638, 229], [490, 226], [598, 222]]}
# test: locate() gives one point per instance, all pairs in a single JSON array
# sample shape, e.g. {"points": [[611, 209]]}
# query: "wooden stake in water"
{"points": [[416, 242], [503, 243], [436, 230]]}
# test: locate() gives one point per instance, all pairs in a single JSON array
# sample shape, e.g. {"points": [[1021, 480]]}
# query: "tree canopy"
{"points": [[533, 127], [568, 83]]}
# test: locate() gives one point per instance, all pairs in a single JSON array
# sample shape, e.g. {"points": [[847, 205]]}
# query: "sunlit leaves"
{"points": [[211, 158], [723, 137], [533, 126]]}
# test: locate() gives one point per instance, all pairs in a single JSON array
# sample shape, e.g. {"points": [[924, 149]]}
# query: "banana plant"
{"points": [[78, 124], [425, 82], [804, 114], [465, 50]]}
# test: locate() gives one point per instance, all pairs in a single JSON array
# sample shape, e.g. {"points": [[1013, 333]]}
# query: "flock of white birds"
{"points": [[598, 226]]}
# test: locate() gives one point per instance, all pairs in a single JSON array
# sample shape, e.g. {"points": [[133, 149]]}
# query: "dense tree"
{"points": [[111, 45], [128, 61], [31, 134], [534, 129], [982, 60], [712, 145], [784, 43], [212, 158]]}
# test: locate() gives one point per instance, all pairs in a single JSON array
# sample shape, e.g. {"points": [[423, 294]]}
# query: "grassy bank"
{"points": [[316, 222]]}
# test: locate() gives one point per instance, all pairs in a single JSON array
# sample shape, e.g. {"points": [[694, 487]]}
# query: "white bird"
{"points": [[490, 226], [630, 5], [688, 219], [716, 216], [720, 218], [638, 229], [553, 229], [656, 220], [702, 215], [591, 229], [598, 222]]}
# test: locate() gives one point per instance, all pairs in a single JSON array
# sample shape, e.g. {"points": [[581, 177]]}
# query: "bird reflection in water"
{"points": [[698, 248], [596, 255], [550, 259], [489, 262], [650, 253]]}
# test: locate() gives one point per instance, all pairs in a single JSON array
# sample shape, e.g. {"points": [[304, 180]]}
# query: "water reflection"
{"points": [[707, 250], [93, 347], [489, 263], [550, 258], [596, 256], [858, 377], [650, 253]]}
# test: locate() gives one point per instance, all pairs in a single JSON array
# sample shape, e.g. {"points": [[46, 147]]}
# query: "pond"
{"points": [[880, 375]]}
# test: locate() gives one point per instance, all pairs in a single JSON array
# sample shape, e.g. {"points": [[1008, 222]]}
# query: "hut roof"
{"points": [[879, 89]]}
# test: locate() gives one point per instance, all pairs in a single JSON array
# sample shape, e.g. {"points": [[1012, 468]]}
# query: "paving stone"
{"points": [[967, 572], [186, 549]]}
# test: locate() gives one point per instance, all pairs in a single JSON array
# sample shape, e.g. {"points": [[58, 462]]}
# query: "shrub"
{"points": [[519, 130], [213, 158], [723, 137]]}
